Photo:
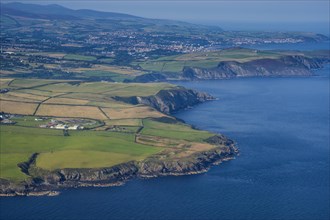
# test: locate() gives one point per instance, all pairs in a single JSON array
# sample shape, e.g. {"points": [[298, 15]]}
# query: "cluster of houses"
{"points": [[65, 124], [58, 125], [5, 118]]}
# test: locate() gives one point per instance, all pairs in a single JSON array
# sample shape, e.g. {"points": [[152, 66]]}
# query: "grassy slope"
{"points": [[110, 89], [211, 59], [175, 131], [80, 149], [79, 57]]}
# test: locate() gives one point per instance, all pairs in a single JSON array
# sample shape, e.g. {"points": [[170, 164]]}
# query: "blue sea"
{"points": [[281, 126]]}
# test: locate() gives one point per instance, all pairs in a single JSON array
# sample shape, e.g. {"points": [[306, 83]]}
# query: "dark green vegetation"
{"points": [[82, 149]]}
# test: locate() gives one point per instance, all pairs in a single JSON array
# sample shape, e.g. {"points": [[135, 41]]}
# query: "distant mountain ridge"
{"points": [[55, 11]]}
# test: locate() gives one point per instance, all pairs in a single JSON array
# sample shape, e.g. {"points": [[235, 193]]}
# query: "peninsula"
{"points": [[57, 134]]}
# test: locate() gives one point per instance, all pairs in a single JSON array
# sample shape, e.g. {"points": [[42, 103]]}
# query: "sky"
{"points": [[295, 15]]}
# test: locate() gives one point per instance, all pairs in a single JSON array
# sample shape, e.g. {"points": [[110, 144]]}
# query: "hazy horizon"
{"points": [[294, 15]]}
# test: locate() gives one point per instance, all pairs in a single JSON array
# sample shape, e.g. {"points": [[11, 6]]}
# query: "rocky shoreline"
{"points": [[50, 183], [285, 66], [171, 100]]}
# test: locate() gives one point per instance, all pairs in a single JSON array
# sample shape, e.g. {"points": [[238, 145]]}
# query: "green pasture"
{"points": [[110, 89], [85, 149], [29, 121], [79, 57], [175, 131], [205, 59], [117, 77], [26, 83]]}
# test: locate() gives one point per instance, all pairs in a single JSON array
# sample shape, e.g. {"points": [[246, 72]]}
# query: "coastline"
{"points": [[118, 175], [49, 183]]}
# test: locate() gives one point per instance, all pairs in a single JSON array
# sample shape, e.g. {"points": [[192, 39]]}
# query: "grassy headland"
{"points": [[112, 131]]}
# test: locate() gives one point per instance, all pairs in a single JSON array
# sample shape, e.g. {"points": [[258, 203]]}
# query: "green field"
{"points": [[175, 131], [106, 60], [110, 89], [114, 135], [87, 149], [29, 121], [8, 165], [205, 59], [27, 83], [99, 73], [78, 57]]}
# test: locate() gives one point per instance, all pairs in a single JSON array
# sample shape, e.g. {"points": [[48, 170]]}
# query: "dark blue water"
{"points": [[281, 126]]}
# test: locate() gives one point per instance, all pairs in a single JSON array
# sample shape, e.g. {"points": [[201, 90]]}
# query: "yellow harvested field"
{"points": [[194, 148], [134, 112], [26, 83], [113, 69], [159, 141], [110, 104], [67, 101], [71, 45], [9, 97], [49, 54], [40, 92], [124, 122], [70, 111], [56, 55], [4, 83], [87, 96], [18, 107], [52, 66], [28, 96]]}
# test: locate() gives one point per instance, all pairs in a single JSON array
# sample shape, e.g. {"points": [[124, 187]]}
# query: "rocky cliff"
{"points": [[44, 182], [284, 66], [169, 101]]}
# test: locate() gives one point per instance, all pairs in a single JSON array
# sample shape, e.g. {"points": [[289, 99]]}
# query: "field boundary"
{"points": [[103, 112]]}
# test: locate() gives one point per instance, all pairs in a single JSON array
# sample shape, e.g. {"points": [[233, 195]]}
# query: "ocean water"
{"points": [[281, 126]]}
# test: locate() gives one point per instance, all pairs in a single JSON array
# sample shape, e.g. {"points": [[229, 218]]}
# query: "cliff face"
{"points": [[169, 101], [151, 77], [197, 163], [284, 66], [45, 182]]}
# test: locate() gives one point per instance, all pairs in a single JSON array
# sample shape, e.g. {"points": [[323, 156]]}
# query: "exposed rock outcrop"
{"points": [[284, 66], [150, 77], [47, 182], [169, 101], [196, 163]]}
